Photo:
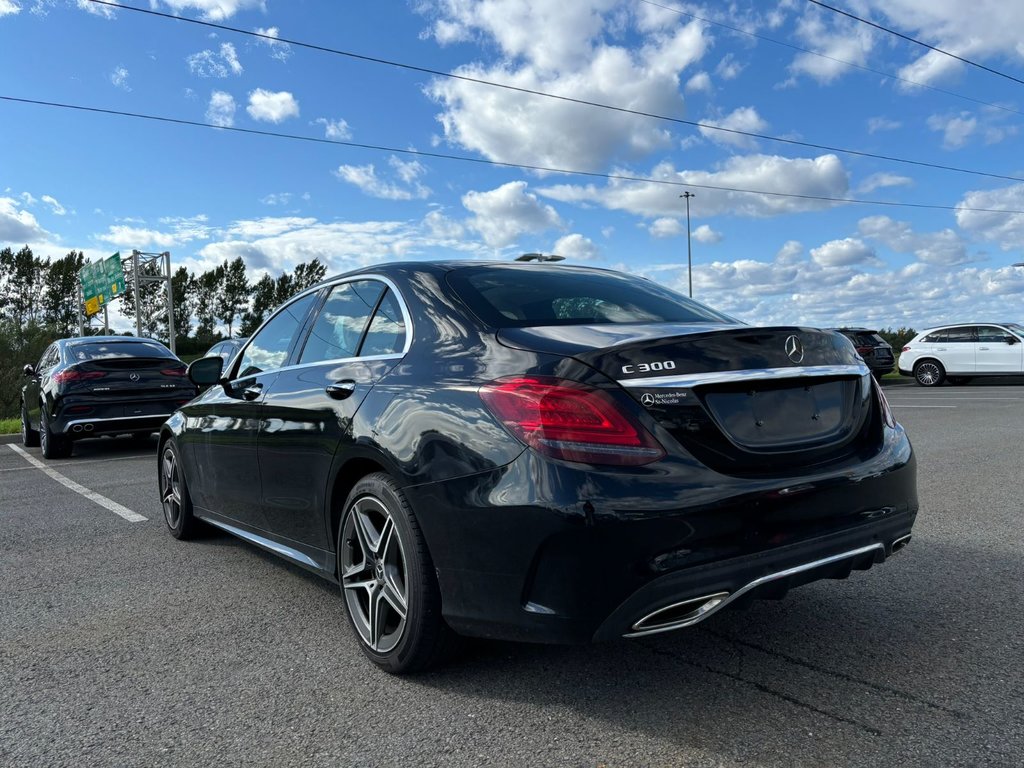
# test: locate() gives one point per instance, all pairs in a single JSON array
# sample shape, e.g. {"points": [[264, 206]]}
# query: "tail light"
{"points": [[906, 348], [179, 372], [864, 349], [71, 374], [567, 420], [887, 415]]}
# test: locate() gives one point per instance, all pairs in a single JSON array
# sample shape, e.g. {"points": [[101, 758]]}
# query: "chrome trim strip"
{"points": [[686, 381], [877, 547], [140, 417], [259, 541]]}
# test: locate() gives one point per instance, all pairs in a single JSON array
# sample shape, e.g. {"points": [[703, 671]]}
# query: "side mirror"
{"points": [[1011, 340], [206, 371], [28, 370]]}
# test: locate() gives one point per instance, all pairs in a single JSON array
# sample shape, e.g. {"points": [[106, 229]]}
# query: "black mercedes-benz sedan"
{"points": [[100, 385], [537, 452]]}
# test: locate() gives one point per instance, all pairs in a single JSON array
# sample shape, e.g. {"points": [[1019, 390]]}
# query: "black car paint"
{"points": [[525, 546], [135, 405]]}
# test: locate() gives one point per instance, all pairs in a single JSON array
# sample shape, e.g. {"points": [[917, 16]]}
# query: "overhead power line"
{"points": [[483, 161], [910, 39], [844, 62], [584, 102]]}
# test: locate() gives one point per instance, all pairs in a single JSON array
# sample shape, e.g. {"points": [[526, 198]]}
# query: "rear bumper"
{"points": [[544, 552], [95, 427]]}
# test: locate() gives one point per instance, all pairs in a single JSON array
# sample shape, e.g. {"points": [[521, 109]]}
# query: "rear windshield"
{"points": [[117, 349], [866, 339], [515, 297]]}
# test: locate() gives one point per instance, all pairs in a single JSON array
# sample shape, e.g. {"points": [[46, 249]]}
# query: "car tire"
{"points": [[388, 582], [929, 373], [53, 446], [29, 436], [174, 496]]}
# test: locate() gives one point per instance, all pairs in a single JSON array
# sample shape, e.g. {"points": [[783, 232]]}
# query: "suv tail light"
{"points": [[570, 421], [906, 348], [864, 349], [71, 374], [174, 372]]}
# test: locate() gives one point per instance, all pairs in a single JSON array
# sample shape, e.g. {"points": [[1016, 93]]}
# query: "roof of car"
{"points": [[961, 325], [105, 339]]}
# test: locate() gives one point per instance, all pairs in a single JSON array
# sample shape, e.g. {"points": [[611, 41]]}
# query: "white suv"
{"points": [[958, 353]]}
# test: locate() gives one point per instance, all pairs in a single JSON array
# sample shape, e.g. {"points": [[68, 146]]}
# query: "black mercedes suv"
{"points": [[875, 350]]}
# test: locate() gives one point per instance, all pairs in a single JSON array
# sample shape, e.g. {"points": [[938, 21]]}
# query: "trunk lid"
{"points": [[126, 377], [742, 400]]}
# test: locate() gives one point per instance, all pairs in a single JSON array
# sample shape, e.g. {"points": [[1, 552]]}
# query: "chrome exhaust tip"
{"points": [[87, 427], [899, 544], [678, 615], [76, 428]]}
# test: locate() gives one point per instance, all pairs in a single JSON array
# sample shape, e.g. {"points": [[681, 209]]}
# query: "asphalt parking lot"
{"points": [[120, 646]]}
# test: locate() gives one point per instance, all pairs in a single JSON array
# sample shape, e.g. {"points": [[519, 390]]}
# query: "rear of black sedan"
{"points": [[552, 454]]}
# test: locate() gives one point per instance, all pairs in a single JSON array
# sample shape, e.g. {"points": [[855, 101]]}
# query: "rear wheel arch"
{"points": [[345, 479]]}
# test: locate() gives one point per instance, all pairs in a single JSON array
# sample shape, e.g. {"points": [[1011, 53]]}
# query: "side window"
{"points": [[960, 335], [387, 329], [939, 337], [268, 349], [48, 359], [340, 324], [992, 334]]}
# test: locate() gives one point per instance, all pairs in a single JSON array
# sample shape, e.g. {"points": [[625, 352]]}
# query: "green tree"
{"points": [[264, 299], [60, 297], [307, 275], [206, 286], [183, 288], [232, 294], [22, 282]]}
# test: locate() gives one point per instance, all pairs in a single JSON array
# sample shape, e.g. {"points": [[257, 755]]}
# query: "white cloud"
{"points": [[882, 181], [57, 208], [221, 110], [8, 7], [843, 253], [178, 230], [119, 78], [838, 38], [790, 253], [823, 176], [705, 234], [559, 47], [504, 214], [742, 119], [575, 247], [701, 82], [337, 130], [408, 173], [441, 227], [666, 227], [97, 10], [272, 106], [1005, 229], [220, 63], [277, 198], [945, 247], [18, 226], [728, 68], [955, 129], [878, 124], [278, 50], [215, 10]]}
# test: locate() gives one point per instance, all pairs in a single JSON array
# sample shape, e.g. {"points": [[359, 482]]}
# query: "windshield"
{"points": [[522, 296]]}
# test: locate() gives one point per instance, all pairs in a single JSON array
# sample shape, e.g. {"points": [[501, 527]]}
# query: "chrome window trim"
{"points": [[403, 307], [877, 547], [686, 381]]}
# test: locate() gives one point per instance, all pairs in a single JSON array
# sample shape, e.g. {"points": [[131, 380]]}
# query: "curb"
{"points": [[15, 438]]}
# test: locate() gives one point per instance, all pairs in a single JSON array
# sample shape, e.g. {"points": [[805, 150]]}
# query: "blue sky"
{"points": [[103, 183]]}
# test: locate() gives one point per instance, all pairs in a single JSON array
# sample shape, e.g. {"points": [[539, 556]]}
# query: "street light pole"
{"points": [[689, 254]]}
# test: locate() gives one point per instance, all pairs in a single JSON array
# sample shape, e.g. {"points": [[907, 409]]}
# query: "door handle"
{"points": [[341, 389], [983, 348], [252, 392]]}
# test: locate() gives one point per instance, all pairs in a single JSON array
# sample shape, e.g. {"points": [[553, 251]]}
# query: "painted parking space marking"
{"points": [[78, 463], [900, 405], [98, 498]]}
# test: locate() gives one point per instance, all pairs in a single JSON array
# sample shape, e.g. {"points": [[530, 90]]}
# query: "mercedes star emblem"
{"points": [[647, 399], [794, 349], [133, 376]]}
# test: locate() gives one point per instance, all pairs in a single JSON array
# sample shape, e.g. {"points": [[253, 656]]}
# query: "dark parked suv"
{"points": [[100, 385], [875, 350]]}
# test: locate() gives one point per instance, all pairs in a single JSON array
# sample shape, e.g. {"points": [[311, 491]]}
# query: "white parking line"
{"points": [[80, 462], [103, 501], [899, 405]]}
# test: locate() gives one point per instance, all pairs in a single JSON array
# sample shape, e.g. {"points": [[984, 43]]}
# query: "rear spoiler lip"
{"points": [[688, 380]]}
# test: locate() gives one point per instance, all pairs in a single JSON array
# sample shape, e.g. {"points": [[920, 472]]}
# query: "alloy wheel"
{"points": [[374, 574], [170, 488], [928, 374]]}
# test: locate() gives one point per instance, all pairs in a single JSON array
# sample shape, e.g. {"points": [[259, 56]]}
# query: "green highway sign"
{"points": [[102, 282]]}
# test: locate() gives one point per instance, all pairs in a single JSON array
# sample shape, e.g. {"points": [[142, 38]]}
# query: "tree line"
{"points": [[39, 303]]}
